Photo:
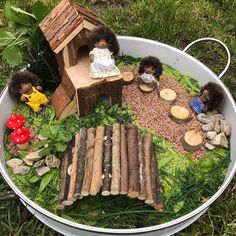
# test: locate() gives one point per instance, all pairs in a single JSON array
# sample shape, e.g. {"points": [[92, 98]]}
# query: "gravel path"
{"points": [[152, 113]]}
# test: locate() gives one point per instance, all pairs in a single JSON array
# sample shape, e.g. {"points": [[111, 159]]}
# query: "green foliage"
{"points": [[188, 83], [56, 142], [24, 44], [45, 180]]}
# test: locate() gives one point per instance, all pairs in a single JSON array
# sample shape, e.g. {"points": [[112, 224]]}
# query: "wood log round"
{"points": [[192, 140], [179, 114], [146, 87], [132, 147], [115, 178], [168, 95], [107, 161], [128, 77], [80, 162], [88, 162], [96, 182], [123, 161]]}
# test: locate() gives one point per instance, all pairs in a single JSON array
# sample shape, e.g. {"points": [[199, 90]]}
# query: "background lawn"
{"points": [[174, 22]]}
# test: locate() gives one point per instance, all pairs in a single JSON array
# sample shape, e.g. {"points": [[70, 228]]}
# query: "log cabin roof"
{"points": [[65, 21]]}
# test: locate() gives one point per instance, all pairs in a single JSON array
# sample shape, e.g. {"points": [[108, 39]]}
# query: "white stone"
{"points": [[52, 161], [203, 118], [39, 163], [42, 170], [217, 127], [21, 170], [12, 163], [28, 162], [208, 127], [209, 146], [33, 156], [220, 140], [225, 127], [217, 117], [211, 134]]}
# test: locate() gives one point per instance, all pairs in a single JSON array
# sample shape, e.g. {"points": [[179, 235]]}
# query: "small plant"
{"points": [[57, 139]]}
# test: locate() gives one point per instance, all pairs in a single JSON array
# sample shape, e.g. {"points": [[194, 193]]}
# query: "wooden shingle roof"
{"points": [[65, 21]]}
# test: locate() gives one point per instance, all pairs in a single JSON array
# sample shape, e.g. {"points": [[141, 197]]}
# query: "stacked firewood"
{"points": [[114, 159]]}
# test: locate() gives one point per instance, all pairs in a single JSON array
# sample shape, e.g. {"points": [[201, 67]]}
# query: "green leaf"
{"points": [[46, 132], [40, 10], [22, 30], [34, 179], [178, 206], [18, 16], [39, 144], [12, 55], [6, 38], [19, 10], [60, 147], [22, 154], [44, 152], [46, 180]]}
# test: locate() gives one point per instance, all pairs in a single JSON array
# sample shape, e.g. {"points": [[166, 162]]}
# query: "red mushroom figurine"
{"points": [[15, 121], [20, 137]]}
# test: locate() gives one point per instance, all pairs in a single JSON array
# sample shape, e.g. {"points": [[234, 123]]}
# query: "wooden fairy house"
{"points": [[67, 29]]}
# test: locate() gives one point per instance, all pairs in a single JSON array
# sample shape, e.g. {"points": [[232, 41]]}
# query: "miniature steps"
{"points": [[111, 160]]}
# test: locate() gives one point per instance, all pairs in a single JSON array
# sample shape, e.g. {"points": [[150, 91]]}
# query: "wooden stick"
{"points": [[147, 142], [142, 177], [159, 203], [88, 161], [96, 182], [80, 162], [132, 147], [74, 169], [115, 179], [65, 177], [124, 184], [107, 161], [153, 174]]}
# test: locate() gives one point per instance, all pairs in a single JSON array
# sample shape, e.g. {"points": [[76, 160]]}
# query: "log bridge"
{"points": [[113, 159]]}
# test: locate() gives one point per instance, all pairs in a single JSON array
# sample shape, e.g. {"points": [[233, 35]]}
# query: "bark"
{"points": [[142, 177], [80, 162], [96, 182], [107, 161], [147, 142], [115, 179], [158, 205], [74, 169], [124, 181], [88, 162], [153, 175], [65, 177], [132, 147]]}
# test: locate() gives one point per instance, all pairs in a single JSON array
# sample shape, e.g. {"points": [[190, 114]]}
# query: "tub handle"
{"points": [[218, 41]]}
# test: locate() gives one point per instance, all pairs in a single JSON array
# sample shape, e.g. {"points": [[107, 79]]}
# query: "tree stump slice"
{"points": [[146, 88], [179, 114], [192, 140], [128, 77], [168, 95]]}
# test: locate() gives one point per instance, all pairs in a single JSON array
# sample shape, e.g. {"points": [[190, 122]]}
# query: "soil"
{"points": [[152, 113]]}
